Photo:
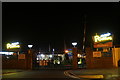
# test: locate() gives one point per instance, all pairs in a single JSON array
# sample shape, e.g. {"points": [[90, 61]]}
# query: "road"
{"points": [[41, 74], [37, 75]]}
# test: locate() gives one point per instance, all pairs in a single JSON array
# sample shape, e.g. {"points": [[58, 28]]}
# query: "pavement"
{"points": [[10, 71], [88, 74]]}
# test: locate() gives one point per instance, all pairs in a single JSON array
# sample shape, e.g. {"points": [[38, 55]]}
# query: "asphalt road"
{"points": [[42, 74], [37, 75]]}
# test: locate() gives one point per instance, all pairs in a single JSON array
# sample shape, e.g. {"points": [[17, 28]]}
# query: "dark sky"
{"points": [[42, 23]]}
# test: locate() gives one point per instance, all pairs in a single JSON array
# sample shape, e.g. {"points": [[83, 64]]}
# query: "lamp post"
{"points": [[53, 51], [29, 46], [75, 65], [30, 57]]}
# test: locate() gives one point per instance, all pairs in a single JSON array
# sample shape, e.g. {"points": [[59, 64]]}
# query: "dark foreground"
{"points": [[58, 74], [37, 75]]}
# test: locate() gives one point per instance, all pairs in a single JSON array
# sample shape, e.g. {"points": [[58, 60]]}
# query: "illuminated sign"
{"points": [[97, 54], [7, 53], [21, 56], [107, 44], [13, 45], [103, 40], [103, 37]]}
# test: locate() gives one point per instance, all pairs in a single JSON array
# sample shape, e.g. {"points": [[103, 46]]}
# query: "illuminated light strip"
{"points": [[105, 35], [15, 43], [7, 53]]}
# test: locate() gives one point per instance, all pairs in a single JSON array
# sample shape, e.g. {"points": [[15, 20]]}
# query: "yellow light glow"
{"points": [[79, 55], [80, 62], [97, 38], [9, 46], [66, 51]]}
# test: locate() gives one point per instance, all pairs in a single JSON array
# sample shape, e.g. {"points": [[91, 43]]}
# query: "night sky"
{"points": [[51, 23]]}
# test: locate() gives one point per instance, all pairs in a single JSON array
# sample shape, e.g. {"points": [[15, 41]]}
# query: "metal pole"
{"points": [[84, 34], [49, 47], [75, 65]]}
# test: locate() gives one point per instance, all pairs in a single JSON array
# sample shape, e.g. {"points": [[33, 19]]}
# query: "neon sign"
{"points": [[13, 45], [7, 53], [103, 37]]}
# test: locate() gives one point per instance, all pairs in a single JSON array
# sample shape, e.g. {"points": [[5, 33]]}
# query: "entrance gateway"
{"points": [[102, 55], [48, 60], [59, 60]]}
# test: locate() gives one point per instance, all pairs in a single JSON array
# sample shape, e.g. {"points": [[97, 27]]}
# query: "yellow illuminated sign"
{"points": [[13, 45], [98, 38], [97, 54]]}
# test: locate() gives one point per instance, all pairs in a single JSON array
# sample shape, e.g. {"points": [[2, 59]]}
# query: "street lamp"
{"points": [[75, 62], [74, 44], [30, 46], [30, 58]]}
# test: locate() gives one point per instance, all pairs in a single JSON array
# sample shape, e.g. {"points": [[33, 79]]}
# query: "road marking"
{"points": [[67, 74], [91, 76], [83, 76], [8, 73]]}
